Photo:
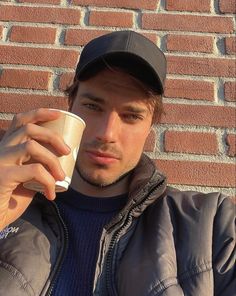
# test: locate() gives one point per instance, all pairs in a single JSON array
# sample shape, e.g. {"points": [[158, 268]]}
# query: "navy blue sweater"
{"points": [[85, 218]]}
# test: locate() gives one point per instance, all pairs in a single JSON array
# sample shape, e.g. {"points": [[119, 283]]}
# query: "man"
{"points": [[119, 230]]}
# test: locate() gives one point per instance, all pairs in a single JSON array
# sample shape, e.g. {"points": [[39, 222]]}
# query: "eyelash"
{"points": [[128, 117], [133, 117], [92, 106]]}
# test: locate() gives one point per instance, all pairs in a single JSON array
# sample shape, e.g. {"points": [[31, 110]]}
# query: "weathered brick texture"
{"points": [[231, 142], [28, 34], [215, 116], [1, 30], [190, 89], [189, 23], [15, 103], [230, 44], [37, 56], [18, 78], [191, 142], [198, 173], [40, 14], [230, 91], [41, 41], [189, 5], [227, 6], [190, 43], [201, 66], [41, 1], [111, 19], [141, 4]]}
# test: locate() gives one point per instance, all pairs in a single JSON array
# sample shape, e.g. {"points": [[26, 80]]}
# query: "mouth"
{"points": [[102, 158]]}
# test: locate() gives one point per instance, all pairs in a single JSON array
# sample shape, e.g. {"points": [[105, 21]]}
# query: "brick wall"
{"points": [[40, 43]]}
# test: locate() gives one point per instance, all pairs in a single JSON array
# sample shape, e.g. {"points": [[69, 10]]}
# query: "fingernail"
{"points": [[68, 147]]}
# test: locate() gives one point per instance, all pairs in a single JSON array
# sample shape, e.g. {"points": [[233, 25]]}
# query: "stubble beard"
{"points": [[99, 183]]}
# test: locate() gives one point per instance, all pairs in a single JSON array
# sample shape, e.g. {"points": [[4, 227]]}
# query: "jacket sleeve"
{"points": [[224, 253]]}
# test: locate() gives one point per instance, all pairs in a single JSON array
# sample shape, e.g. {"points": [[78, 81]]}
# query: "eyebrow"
{"points": [[129, 108], [92, 97]]}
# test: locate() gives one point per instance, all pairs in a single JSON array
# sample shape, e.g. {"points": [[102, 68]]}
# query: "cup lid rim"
{"points": [[70, 114]]}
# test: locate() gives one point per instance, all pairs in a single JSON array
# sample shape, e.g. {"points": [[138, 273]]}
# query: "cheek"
{"points": [[135, 140]]}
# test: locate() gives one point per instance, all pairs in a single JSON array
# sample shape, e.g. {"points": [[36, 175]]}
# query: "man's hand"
{"points": [[24, 157]]}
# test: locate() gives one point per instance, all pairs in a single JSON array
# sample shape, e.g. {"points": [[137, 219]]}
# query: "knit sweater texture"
{"points": [[84, 217]]}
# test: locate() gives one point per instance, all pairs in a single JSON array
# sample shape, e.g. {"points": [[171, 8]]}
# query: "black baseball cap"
{"points": [[128, 50]]}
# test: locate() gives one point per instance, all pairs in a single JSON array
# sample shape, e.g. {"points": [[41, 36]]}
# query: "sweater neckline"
{"points": [[90, 203]]}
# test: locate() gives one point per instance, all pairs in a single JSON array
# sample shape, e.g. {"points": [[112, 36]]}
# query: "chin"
{"points": [[101, 179]]}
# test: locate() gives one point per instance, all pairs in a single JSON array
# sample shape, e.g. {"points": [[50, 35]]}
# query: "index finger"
{"points": [[33, 116]]}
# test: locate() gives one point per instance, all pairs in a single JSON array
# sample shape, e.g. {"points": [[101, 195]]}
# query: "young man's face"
{"points": [[118, 120]]}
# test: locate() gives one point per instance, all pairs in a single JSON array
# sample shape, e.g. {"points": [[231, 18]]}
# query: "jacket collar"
{"points": [[146, 185]]}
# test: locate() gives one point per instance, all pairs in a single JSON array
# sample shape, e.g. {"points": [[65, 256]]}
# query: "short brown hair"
{"points": [[154, 96]]}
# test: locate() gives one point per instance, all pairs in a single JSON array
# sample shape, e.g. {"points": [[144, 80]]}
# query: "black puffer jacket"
{"points": [[164, 242]]}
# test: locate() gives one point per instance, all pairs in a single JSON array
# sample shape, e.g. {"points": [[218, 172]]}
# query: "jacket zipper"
{"points": [[115, 236], [58, 265]]}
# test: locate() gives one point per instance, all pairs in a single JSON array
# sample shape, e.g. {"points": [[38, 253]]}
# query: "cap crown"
{"points": [[129, 50]]}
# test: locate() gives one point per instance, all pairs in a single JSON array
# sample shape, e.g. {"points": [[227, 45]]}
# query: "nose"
{"points": [[108, 128]]}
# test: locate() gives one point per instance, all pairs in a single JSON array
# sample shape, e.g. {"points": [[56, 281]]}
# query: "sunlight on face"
{"points": [[118, 119]]}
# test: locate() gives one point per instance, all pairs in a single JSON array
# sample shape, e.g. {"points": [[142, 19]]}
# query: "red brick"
{"points": [[189, 89], [33, 34], [38, 56], [141, 4], [83, 36], [111, 19], [150, 142], [4, 124], [189, 5], [16, 102], [231, 143], [1, 31], [190, 43], [19, 78], [194, 23], [215, 116], [198, 173], [191, 142], [65, 80], [201, 66], [40, 14], [230, 45], [230, 91], [41, 1], [227, 6]]}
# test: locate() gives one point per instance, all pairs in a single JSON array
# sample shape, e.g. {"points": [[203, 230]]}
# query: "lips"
{"points": [[102, 157]]}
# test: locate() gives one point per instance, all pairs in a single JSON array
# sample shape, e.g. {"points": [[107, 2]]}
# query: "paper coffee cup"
{"points": [[71, 127]]}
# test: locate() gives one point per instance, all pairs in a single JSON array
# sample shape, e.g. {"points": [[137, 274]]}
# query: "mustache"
{"points": [[103, 148]]}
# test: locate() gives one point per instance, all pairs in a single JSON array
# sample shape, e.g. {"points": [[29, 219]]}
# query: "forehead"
{"points": [[115, 81]]}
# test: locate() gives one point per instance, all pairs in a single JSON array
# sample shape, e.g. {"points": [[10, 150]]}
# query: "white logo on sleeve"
{"points": [[6, 231]]}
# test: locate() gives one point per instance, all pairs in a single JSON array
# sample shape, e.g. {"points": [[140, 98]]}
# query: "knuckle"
{"points": [[30, 146], [39, 112], [28, 128], [37, 169]]}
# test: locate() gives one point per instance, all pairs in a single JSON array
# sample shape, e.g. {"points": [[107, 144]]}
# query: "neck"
{"points": [[84, 187]]}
